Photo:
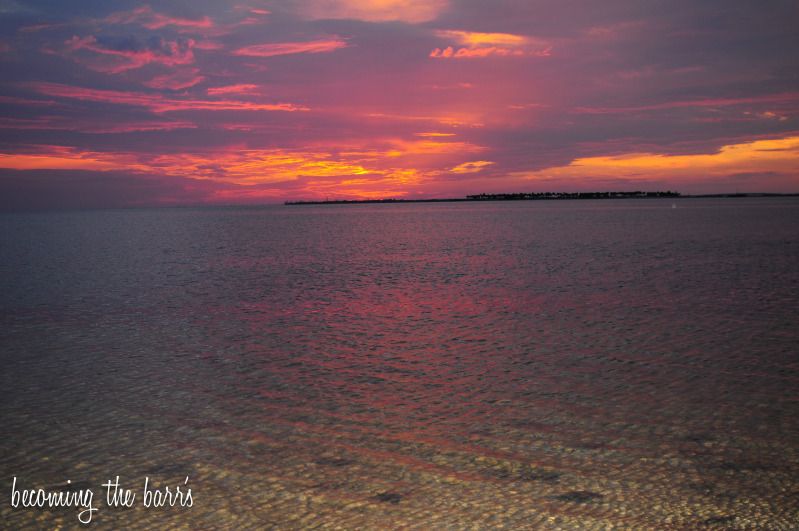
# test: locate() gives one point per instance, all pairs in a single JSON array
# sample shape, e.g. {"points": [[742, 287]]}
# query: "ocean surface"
{"points": [[625, 364]]}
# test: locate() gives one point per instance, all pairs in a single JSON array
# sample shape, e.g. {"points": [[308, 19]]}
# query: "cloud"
{"points": [[778, 156], [178, 80], [288, 48], [254, 16], [403, 148], [231, 165], [115, 56], [146, 17], [471, 53], [66, 158], [57, 123], [241, 88], [244, 166], [781, 98], [192, 82], [471, 167], [451, 120], [411, 11], [476, 44], [156, 102], [376, 171], [474, 38]]}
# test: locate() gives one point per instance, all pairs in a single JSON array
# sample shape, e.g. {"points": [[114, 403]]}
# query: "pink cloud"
{"points": [[44, 123], [151, 20], [412, 11], [287, 48], [465, 53], [242, 88], [156, 102], [178, 80], [254, 16], [96, 56], [25, 101], [205, 44], [452, 86], [485, 51]]}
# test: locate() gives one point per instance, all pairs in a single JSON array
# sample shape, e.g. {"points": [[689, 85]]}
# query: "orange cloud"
{"points": [[240, 166], [452, 120], [760, 156], [475, 44], [411, 11], [401, 148], [156, 102], [434, 134], [473, 38], [287, 48], [471, 167], [388, 171], [66, 158], [255, 166]]}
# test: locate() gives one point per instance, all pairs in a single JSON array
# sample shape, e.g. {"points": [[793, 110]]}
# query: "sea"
{"points": [[591, 364]]}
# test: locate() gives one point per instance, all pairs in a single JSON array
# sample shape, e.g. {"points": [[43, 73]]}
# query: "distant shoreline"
{"points": [[543, 196]]}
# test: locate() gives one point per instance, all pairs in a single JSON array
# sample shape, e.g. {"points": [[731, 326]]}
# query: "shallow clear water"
{"points": [[552, 365]]}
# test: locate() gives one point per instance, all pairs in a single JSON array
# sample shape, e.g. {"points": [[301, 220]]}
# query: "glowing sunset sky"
{"points": [[123, 103]]}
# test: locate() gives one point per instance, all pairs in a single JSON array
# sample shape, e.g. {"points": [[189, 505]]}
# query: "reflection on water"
{"points": [[569, 365]]}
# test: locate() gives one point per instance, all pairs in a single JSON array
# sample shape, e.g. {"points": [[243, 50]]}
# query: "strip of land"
{"points": [[538, 197]]}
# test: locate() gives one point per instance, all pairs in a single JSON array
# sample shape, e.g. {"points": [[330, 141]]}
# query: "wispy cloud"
{"points": [[288, 48], [59, 123], [241, 88], [146, 17], [411, 11], [67, 158], [156, 102], [178, 80], [115, 56], [784, 97]]}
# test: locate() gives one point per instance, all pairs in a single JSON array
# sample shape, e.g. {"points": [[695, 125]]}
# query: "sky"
{"points": [[106, 104]]}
